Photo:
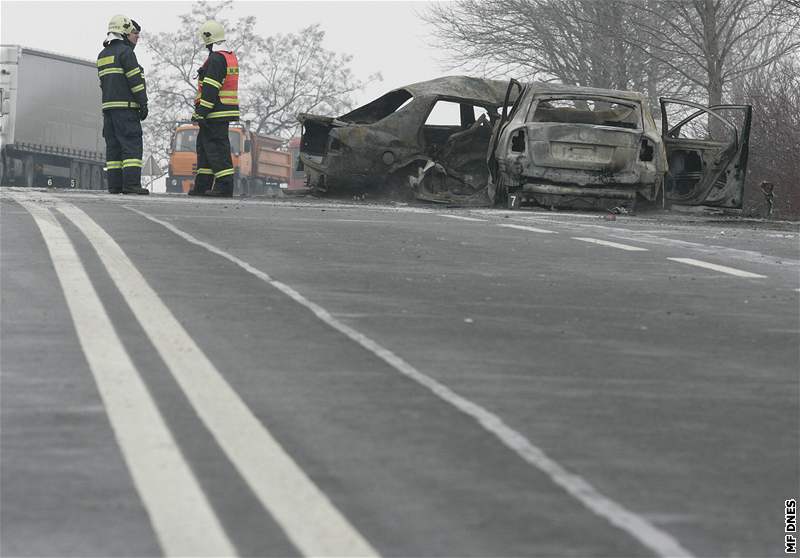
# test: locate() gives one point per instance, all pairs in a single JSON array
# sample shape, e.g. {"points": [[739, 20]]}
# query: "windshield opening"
{"points": [[186, 140], [586, 110]]}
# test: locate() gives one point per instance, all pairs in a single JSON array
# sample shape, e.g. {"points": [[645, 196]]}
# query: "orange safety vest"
{"points": [[228, 92]]}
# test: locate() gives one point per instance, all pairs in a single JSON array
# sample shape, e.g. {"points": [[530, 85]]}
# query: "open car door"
{"points": [[706, 152], [495, 189]]}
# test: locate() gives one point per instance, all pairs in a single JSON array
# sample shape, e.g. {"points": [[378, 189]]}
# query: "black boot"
{"points": [[221, 191]]}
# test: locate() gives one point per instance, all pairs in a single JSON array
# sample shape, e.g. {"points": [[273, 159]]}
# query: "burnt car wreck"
{"points": [[473, 141], [429, 140], [582, 147]]}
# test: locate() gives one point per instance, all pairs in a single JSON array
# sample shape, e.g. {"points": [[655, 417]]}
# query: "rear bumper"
{"points": [[553, 189]]}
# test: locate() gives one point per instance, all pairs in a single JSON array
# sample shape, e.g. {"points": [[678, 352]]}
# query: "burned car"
{"points": [[428, 139], [562, 146]]}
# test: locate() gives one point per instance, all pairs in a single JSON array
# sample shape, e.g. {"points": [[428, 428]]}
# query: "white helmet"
{"points": [[120, 24], [211, 32]]}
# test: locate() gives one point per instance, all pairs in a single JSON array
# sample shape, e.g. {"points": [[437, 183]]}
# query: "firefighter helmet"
{"points": [[120, 24], [211, 32]]}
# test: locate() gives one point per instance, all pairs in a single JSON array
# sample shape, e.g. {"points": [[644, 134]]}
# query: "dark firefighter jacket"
{"points": [[218, 88], [121, 77]]}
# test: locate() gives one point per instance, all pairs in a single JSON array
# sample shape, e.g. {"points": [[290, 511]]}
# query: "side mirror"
{"points": [[247, 145]]}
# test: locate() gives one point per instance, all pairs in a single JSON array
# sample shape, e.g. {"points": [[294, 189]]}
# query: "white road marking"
{"points": [[529, 229], [462, 218], [714, 250], [617, 245], [309, 519], [660, 542], [720, 268], [182, 518]]}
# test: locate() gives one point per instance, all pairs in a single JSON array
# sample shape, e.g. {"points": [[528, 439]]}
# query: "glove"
{"points": [[143, 112], [197, 118]]}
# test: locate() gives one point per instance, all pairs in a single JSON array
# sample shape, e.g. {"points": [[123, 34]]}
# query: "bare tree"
{"points": [[292, 73], [532, 39], [674, 47], [279, 76], [711, 43], [577, 42]]}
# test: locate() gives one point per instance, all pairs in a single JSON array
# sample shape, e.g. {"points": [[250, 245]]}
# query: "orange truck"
{"points": [[262, 165]]}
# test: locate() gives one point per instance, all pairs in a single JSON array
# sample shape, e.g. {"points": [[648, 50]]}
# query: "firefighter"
{"points": [[216, 105], [124, 107]]}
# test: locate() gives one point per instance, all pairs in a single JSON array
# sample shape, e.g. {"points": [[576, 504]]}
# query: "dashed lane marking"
{"points": [[720, 268], [462, 218], [526, 228], [306, 515], [182, 518], [610, 244], [635, 525]]}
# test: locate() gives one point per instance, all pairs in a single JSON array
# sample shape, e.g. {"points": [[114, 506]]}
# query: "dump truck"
{"points": [[51, 124], [261, 163]]}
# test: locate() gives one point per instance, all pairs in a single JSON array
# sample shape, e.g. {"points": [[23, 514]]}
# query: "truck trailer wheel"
{"points": [[29, 172], [75, 175], [97, 178], [85, 180]]}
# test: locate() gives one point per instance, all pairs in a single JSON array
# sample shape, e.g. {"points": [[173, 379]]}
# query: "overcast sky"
{"points": [[385, 37]]}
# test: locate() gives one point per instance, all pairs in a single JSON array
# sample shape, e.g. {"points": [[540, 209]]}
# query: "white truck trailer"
{"points": [[51, 125]]}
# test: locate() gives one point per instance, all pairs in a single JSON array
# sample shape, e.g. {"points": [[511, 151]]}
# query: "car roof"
{"points": [[541, 88], [487, 91]]}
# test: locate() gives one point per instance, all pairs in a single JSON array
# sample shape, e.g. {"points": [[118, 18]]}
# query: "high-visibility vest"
{"points": [[228, 89]]}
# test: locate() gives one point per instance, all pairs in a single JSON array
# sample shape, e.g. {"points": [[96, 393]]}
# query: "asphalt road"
{"points": [[295, 378]]}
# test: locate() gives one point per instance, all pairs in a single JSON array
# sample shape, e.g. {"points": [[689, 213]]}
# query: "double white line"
{"points": [[308, 518], [184, 521]]}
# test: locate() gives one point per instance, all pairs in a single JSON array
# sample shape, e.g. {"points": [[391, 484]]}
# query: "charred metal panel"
{"points": [[386, 145]]}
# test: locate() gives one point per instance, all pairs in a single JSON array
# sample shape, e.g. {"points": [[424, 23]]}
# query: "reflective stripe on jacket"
{"points": [[121, 77], [218, 87]]}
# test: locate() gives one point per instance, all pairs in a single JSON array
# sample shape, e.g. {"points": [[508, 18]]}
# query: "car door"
{"points": [[707, 151], [495, 191]]}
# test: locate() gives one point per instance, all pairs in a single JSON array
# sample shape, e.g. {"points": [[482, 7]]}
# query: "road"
{"points": [[294, 378]]}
